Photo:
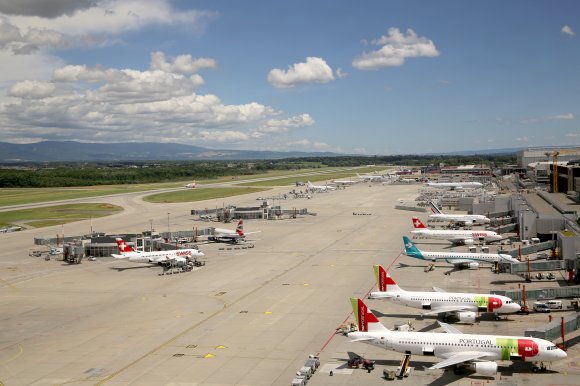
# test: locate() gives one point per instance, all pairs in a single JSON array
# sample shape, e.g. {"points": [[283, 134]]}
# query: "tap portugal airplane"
{"points": [[460, 306], [477, 352], [157, 257], [458, 259], [466, 237]]}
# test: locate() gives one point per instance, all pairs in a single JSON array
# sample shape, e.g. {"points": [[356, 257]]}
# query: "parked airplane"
{"points": [[476, 352], [319, 188], [455, 185], [178, 256], [343, 182], [232, 236], [459, 259], [371, 177], [460, 306], [190, 185], [467, 219], [467, 237]]}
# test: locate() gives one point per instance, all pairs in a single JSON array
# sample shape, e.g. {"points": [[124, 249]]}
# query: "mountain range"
{"points": [[54, 151]]}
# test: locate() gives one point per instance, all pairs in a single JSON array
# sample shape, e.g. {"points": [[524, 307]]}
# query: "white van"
{"points": [[554, 304]]}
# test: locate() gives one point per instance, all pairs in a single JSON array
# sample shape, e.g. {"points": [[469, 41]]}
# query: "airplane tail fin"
{"points": [[384, 281], [434, 208], [240, 228], [411, 250], [365, 319], [122, 246], [418, 224]]}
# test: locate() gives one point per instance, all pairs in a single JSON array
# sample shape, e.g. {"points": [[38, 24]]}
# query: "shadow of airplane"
{"points": [[121, 269]]}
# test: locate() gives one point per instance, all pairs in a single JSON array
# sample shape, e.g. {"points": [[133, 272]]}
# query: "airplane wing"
{"points": [[457, 358], [251, 233], [460, 261], [437, 289], [362, 339], [456, 308], [449, 328]]}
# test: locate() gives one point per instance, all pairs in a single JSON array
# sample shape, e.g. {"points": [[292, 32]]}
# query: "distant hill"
{"points": [[52, 151]]}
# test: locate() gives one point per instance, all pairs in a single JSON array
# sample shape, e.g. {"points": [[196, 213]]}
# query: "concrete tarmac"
{"points": [[248, 317]]}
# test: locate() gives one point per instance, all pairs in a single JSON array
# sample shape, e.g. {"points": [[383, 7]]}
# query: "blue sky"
{"points": [[372, 77]]}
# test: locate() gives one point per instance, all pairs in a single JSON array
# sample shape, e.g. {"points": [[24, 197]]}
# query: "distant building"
{"points": [[474, 170], [526, 157]]}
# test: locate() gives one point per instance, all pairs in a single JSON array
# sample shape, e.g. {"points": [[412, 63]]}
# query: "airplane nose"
{"points": [[562, 354], [515, 307]]}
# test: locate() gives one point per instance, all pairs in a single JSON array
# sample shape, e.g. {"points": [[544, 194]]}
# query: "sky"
{"points": [[377, 77]]}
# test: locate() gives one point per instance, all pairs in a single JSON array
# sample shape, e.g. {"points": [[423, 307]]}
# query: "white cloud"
{"points": [[32, 89], [567, 30], [395, 48], [314, 70], [34, 26], [559, 117], [160, 104], [284, 125], [573, 135], [566, 117], [182, 64]]}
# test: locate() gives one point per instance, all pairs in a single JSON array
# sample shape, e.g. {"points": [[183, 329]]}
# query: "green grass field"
{"points": [[22, 196], [328, 175], [199, 194], [55, 215]]}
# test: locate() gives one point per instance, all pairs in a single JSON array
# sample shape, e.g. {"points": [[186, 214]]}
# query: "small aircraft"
{"points": [[319, 188], [466, 219], [458, 259], [191, 185], [476, 352], [460, 306], [455, 185], [232, 236], [164, 258], [466, 237]]}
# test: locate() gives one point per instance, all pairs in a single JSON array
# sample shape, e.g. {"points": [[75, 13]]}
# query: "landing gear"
{"points": [[539, 369]]}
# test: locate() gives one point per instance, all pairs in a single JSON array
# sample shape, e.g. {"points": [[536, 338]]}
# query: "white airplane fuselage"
{"points": [[457, 235], [441, 300], [158, 256], [444, 345], [473, 218]]}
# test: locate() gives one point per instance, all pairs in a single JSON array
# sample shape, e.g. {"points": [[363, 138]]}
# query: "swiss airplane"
{"points": [[163, 258], [466, 237], [460, 306], [455, 185], [228, 235], [477, 352], [467, 219], [459, 259]]}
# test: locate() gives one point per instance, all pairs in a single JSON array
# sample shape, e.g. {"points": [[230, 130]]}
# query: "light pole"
{"points": [[168, 228], [151, 225]]}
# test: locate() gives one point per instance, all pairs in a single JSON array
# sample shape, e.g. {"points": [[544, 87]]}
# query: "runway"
{"points": [[248, 317]]}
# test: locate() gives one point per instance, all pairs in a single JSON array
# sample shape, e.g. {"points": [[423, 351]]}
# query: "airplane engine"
{"points": [[466, 317], [472, 265], [469, 242], [488, 369]]}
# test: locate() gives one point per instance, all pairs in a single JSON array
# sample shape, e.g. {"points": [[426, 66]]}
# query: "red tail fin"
{"points": [[240, 228], [418, 223], [123, 248], [363, 315]]}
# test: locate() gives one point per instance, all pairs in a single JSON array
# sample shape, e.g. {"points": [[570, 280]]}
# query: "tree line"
{"points": [[107, 173]]}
